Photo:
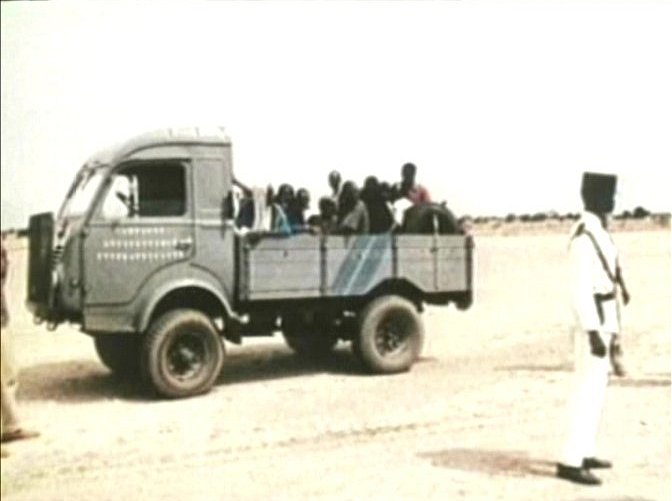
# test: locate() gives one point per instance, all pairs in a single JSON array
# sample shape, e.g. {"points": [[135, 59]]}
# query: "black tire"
{"points": [[390, 335], [182, 354], [307, 340], [119, 352]]}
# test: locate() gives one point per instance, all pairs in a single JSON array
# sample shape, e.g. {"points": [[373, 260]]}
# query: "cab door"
{"points": [[142, 225]]}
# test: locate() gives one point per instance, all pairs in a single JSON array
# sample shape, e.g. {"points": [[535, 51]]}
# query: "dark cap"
{"points": [[598, 190]]}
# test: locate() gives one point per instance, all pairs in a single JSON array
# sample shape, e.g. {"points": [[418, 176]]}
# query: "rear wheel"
{"points": [[390, 335], [182, 354], [119, 352]]}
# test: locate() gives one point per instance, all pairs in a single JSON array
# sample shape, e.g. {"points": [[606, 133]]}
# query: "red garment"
{"points": [[418, 194]]}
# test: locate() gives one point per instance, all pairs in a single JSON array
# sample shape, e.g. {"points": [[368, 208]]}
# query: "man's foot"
{"points": [[577, 475], [596, 463], [619, 369], [19, 434], [5, 452], [616, 356], [617, 365]]}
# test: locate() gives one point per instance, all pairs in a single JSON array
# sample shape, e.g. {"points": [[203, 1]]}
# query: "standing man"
{"points": [[11, 426], [595, 276]]}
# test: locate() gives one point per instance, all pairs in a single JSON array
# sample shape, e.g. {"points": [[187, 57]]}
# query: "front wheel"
{"points": [[390, 336], [182, 354]]}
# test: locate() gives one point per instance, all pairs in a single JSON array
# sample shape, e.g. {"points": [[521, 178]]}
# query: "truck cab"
{"points": [[145, 256]]}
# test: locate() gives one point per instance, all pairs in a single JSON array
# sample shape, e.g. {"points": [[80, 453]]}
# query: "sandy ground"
{"points": [[480, 416]]}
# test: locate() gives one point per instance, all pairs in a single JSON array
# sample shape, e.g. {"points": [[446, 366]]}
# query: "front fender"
{"points": [[197, 280]]}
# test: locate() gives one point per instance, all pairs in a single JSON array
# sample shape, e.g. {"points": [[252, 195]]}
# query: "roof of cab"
{"points": [[183, 136]]}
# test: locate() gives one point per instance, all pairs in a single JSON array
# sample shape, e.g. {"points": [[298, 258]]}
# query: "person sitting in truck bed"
{"points": [[271, 216], [285, 197], [326, 222], [353, 217], [380, 213], [297, 208]]}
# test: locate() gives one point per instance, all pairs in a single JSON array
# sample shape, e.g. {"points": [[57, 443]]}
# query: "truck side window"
{"points": [[156, 189], [161, 190]]}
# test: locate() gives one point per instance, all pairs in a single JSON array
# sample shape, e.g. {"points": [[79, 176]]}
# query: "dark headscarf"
{"points": [[347, 200]]}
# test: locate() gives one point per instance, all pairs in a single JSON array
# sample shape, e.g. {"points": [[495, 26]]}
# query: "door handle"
{"points": [[184, 244]]}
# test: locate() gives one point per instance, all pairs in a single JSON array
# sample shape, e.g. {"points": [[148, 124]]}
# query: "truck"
{"points": [[145, 257]]}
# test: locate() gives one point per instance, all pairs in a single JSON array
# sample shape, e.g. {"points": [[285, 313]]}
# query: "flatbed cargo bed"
{"points": [[311, 266]]}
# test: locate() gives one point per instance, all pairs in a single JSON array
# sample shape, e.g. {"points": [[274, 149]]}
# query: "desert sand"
{"points": [[480, 416]]}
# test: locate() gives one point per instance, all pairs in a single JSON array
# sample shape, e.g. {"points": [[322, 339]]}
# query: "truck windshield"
{"points": [[82, 192]]}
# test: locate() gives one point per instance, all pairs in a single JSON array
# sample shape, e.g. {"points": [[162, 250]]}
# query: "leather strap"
{"points": [[615, 279]]}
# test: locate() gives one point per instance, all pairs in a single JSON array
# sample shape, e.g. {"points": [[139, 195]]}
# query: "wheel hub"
{"points": [[390, 338], [186, 357]]}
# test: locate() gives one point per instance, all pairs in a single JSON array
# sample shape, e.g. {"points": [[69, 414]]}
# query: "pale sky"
{"points": [[500, 105]]}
